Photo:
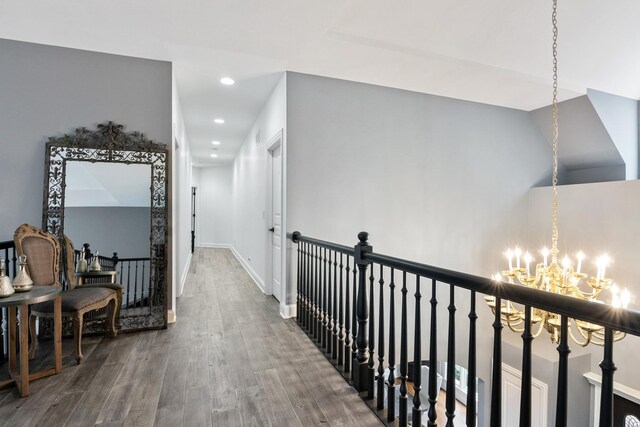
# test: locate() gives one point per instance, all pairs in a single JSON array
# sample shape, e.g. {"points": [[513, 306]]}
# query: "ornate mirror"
{"points": [[107, 190]]}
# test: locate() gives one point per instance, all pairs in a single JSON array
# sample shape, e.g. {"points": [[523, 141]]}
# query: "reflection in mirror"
{"points": [[108, 206]]}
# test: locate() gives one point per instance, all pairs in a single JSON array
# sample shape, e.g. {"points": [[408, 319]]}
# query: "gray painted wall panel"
{"points": [[433, 179], [46, 91], [124, 230]]}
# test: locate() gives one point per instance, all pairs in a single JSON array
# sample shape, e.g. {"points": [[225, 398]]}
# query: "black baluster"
{"points": [[135, 285], [471, 368], [451, 360], [525, 385], [380, 382], [361, 372], [372, 338], [299, 286], [302, 307], [144, 266], [310, 295], [608, 368], [326, 333], [126, 288], [129, 281], [307, 285], [319, 297], [416, 417], [307, 293], [14, 260], [316, 294], [391, 380], [334, 332], [354, 322], [322, 336], [347, 321], [402, 406], [340, 333], [563, 370], [496, 377], [433, 357]]}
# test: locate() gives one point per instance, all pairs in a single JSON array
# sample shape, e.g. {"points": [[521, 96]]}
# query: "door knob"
{"points": [[272, 229]]}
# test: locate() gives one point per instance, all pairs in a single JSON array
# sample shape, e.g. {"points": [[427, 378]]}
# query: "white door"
{"points": [[276, 221], [511, 379]]}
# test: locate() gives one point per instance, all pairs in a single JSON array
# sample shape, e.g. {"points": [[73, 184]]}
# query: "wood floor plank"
{"points": [[92, 402], [196, 407], [280, 409], [146, 394], [172, 396], [252, 406], [120, 399]]}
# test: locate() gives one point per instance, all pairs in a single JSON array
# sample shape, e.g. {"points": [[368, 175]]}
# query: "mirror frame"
{"points": [[111, 144]]}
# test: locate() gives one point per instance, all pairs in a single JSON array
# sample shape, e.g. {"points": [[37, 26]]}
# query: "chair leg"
{"points": [[77, 336], [118, 307], [113, 311], [34, 339]]}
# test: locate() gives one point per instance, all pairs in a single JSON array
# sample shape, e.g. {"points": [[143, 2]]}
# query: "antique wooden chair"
{"points": [[69, 266], [43, 265]]}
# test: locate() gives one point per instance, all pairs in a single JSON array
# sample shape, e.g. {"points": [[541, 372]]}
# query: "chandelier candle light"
{"points": [[556, 276]]}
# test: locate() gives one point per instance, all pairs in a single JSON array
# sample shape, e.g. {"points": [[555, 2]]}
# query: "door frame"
{"points": [[276, 141]]}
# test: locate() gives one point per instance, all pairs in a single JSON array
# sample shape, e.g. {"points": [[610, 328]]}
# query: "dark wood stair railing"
{"points": [[334, 306]]}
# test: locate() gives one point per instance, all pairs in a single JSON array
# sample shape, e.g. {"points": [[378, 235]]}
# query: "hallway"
{"points": [[263, 370], [230, 360]]}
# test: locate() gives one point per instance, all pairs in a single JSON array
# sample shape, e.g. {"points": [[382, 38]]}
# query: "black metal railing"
{"points": [[337, 311], [8, 252], [133, 275]]}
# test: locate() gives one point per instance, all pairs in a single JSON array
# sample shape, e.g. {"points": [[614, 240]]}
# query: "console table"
{"points": [[23, 300], [102, 274]]}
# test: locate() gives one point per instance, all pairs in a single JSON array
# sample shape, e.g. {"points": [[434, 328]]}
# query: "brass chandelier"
{"points": [[557, 277]]}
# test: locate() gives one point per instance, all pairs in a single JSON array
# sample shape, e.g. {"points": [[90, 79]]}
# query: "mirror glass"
{"points": [[108, 206]]}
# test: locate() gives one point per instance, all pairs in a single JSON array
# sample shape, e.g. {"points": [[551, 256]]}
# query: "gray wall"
{"points": [[433, 179], [46, 91], [214, 214], [587, 149], [619, 116], [110, 229]]}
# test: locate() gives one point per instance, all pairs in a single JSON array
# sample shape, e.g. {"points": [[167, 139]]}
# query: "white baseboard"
{"points": [[258, 281], [287, 311], [183, 278], [214, 245], [171, 316]]}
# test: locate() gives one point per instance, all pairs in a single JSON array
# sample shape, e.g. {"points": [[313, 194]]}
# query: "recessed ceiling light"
{"points": [[214, 155], [219, 121], [215, 142], [227, 81]]}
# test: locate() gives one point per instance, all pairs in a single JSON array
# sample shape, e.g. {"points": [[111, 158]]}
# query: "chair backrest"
{"points": [[68, 254], [43, 254]]}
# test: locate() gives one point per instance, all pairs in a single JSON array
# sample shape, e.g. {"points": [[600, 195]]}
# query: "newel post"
{"points": [[361, 372]]}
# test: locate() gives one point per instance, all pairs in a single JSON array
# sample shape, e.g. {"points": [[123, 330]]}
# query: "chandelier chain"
{"points": [[554, 182]]}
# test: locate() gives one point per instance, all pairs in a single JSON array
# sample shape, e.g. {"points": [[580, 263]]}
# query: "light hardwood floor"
{"points": [[230, 360]]}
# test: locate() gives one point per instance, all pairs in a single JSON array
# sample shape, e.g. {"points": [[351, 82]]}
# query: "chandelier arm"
{"points": [[540, 329], [513, 325], [599, 335], [587, 337], [617, 335]]}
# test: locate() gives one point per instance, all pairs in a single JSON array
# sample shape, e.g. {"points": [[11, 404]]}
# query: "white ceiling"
{"points": [[491, 51]]}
